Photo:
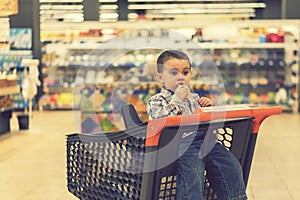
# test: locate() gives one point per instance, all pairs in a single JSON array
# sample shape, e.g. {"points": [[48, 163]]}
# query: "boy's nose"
{"points": [[180, 76]]}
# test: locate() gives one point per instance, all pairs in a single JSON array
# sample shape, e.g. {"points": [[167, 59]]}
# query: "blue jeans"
{"points": [[222, 170]]}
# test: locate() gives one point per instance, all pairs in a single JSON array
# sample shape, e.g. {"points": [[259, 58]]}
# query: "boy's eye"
{"points": [[185, 72], [173, 72]]}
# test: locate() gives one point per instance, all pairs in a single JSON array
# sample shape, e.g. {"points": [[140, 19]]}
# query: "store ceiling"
{"points": [[72, 10]]}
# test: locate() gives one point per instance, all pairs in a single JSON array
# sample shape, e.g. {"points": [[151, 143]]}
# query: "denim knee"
{"points": [[190, 173], [224, 173]]}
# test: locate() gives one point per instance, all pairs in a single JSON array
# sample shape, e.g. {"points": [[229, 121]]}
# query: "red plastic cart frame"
{"points": [[260, 113]]}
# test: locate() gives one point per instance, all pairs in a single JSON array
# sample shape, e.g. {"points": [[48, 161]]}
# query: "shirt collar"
{"points": [[167, 91]]}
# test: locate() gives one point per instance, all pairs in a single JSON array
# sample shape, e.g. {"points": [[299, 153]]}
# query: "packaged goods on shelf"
{"points": [[6, 103], [251, 59]]}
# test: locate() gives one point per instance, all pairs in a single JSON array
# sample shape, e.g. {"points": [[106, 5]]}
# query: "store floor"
{"points": [[33, 164]]}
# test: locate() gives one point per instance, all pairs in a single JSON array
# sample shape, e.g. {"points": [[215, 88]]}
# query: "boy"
{"points": [[175, 98]]}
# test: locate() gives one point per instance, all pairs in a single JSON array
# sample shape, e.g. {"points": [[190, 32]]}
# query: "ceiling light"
{"points": [[200, 1], [108, 7], [73, 18], [109, 15], [212, 5], [200, 11], [107, 1], [60, 1], [61, 7]]}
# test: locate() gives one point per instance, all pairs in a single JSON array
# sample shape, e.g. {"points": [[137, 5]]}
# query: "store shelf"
{"points": [[60, 89], [169, 24], [67, 47], [237, 46], [212, 45], [10, 90], [6, 112], [6, 109], [129, 43], [15, 52]]}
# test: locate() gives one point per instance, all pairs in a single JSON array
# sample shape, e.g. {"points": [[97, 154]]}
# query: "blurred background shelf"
{"points": [[9, 90]]}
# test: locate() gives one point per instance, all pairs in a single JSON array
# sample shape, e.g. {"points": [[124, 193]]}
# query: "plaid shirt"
{"points": [[165, 103]]}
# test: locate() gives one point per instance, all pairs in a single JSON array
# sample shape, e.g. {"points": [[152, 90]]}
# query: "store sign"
{"points": [[8, 7]]}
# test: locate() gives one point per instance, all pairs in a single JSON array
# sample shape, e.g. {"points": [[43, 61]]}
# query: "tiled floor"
{"points": [[32, 162]]}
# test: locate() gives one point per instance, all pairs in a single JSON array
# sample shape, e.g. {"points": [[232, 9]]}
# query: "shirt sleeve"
{"points": [[194, 102], [158, 107]]}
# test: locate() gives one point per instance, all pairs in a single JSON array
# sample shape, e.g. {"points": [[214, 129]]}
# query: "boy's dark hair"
{"points": [[170, 54]]}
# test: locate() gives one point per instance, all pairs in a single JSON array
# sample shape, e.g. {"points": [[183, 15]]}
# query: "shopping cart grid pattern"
{"points": [[110, 165]]}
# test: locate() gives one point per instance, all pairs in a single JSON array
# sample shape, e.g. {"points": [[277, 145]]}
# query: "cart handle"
{"points": [[260, 113]]}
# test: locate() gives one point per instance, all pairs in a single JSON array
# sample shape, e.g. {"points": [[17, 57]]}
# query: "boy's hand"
{"points": [[204, 101], [182, 92]]}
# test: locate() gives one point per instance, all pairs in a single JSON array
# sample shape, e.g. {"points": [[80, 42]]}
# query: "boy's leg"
{"points": [[190, 173], [224, 173]]}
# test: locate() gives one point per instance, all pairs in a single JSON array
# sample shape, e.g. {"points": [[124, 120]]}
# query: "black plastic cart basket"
{"points": [[140, 162]]}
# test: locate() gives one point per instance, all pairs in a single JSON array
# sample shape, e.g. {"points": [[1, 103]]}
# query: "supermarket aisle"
{"points": [[275, 168], [32, 163]]}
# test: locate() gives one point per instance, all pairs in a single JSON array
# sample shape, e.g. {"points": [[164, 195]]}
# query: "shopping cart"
{"points": [[140, 162]]}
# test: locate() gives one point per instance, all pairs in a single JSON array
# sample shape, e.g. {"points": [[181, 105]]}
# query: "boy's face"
{"points": [[175, 72]]}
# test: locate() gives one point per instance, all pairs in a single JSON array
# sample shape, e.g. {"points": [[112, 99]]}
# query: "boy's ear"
{"points": [[159, 77]]}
